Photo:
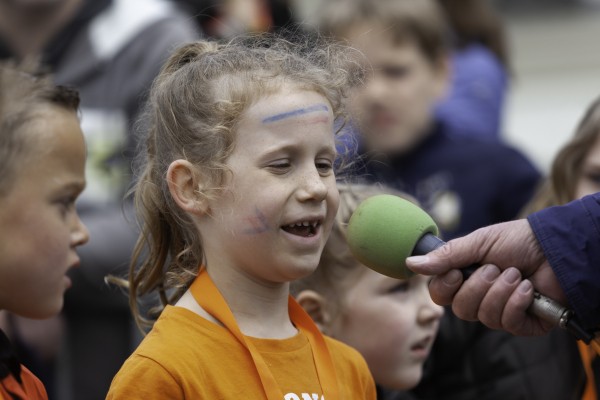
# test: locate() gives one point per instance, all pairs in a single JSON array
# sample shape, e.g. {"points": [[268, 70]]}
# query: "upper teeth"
{"points": [[303, 223]]}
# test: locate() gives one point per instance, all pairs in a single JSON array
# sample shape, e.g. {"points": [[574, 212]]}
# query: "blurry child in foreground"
{"points": [[42, 158], [391, 322]]}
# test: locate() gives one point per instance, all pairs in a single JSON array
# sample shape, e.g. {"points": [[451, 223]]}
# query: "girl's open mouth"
{"points": [[303, 228]]}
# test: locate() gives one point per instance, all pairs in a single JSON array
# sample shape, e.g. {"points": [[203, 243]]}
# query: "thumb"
{"points": [[457, 253]]}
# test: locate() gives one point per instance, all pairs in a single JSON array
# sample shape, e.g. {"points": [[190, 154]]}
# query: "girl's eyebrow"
{"points": [[293, 113], [72, 186]]}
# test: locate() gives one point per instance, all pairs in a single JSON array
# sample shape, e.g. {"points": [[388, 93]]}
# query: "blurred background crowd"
{"points": [[547, 73]]}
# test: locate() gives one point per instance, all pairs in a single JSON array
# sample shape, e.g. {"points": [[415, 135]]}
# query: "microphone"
{"points": [[384, 230]]}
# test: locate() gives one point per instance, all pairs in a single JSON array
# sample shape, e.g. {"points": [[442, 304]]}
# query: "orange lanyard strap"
{"points": [[210, 299], [587, 357]]}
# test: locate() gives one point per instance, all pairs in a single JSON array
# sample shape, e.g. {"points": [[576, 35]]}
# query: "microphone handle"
{"points": [[542, 307]]}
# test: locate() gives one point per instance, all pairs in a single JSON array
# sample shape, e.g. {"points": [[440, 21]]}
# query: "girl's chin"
{"points": [[301, 272], [50, 310], [407, 381]]}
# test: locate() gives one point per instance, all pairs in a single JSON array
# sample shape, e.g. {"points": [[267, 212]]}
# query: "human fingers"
{"points": [[438, 261], [442, 288], [457, 253], [515, 317], [468, 299], [491, 309]]}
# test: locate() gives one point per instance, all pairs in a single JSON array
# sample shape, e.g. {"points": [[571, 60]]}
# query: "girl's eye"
{"points": [[395, 71], [593, 177], [280, 166], [401, 287], [66, 205], [324, 166]]}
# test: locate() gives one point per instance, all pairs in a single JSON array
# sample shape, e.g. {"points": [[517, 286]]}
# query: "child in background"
{"points": [[42, 172], [237, 198], [462, 182], [391, 322], [575, 173]]}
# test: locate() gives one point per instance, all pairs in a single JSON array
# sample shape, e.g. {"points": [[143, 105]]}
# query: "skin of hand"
{"points": [[500, 291]]}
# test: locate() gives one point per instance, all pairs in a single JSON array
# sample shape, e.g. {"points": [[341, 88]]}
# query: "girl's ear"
{"points": [[315, 306], [186, 187]]}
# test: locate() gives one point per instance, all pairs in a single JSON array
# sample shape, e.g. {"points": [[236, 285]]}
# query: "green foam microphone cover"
{"points": [[383, 231]]}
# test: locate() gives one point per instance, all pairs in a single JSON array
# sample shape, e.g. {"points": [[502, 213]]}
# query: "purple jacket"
{"points": [[475, 100]]}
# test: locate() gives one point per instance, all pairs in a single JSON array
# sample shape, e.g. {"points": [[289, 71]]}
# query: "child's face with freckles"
{"points": [[279, 202], [39, 226]]}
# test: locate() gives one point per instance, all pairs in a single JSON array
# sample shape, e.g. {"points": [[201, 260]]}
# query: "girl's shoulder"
{"points": [[179, 342], [352, 370], [175, 330], [346, 358]]}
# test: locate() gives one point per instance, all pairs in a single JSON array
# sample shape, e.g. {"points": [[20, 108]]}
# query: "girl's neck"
{"points": [[260, 309]]}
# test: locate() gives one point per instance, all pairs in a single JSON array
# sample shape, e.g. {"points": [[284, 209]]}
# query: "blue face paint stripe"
{"points": [[294, 113]]}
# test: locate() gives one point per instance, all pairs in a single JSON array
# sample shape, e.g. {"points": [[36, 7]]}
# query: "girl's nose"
{"points": [[374, 88], [313, 186], [428, 310], [80, 234]]}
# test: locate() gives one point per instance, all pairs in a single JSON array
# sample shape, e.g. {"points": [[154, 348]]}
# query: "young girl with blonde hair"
{"points": [[237, 198]]}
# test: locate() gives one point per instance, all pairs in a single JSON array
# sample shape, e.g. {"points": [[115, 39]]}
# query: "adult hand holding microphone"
{"points": [[497, 294], [385, 230]]}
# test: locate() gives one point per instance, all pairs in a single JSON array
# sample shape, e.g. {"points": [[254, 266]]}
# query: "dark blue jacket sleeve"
{"points": [[570, 238]]}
